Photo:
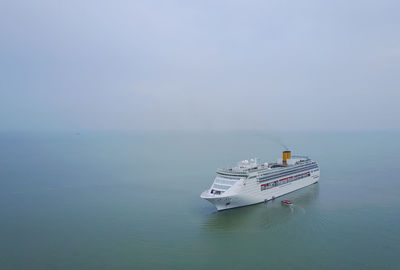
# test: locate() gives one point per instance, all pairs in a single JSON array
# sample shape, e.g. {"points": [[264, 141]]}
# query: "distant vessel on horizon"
{"points": [[255, 182]]}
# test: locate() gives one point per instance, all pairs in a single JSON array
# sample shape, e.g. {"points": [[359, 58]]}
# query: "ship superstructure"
{"points": [[252, 182]]}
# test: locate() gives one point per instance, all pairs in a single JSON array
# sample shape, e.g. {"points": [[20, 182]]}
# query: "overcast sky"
{"points": [[273, 65]]}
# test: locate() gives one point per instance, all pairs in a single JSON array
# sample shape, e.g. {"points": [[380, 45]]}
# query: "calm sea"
{"points": [[111, 200]]}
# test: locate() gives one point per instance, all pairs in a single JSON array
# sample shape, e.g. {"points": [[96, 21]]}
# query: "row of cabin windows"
{"points": [[284, 181], [224, 181], [232, 177], [289, 172], [303, 167], [221, 186]]}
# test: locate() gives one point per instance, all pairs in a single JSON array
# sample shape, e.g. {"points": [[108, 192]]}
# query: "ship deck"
{"points": [[272, 168]]}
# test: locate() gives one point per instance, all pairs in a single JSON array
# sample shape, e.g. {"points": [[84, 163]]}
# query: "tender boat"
{"points": [[287, 202]]}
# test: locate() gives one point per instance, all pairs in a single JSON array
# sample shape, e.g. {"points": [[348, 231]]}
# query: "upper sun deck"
{"points": [[244, 168]]}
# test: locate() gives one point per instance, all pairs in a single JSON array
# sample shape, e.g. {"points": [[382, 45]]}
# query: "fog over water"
{"points": [[274, 65]]}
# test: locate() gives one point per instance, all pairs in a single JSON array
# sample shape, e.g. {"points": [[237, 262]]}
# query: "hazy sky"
{"points": [[309, 65]]}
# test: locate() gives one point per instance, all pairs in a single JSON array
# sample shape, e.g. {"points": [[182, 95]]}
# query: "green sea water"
{"points": [[109, 200]]}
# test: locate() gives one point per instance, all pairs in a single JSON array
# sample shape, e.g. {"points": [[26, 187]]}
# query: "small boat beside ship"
{"points": [[252, 182], [287, 202]]}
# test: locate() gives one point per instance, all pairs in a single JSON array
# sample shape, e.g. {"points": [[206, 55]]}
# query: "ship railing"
{"points": [[298, 156], [227, 171]]}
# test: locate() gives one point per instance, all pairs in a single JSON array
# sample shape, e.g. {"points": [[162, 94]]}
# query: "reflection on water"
{"points": [[264, 215]]}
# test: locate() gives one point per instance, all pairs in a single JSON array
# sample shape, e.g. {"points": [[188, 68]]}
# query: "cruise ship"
{"points": [[252, 182]]}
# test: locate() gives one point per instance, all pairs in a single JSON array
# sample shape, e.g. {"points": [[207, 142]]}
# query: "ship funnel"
{"points": [[286, 156]]}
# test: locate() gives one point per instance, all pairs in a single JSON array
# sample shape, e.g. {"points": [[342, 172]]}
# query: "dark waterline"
{"points": [[131, 201]]}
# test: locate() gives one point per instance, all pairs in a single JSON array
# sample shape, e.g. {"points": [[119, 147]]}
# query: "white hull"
{"points": [[247, 192]]}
